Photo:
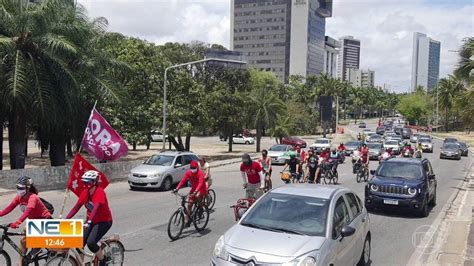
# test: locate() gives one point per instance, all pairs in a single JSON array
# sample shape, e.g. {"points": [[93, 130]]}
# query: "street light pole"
{"points": [[181, 65], [437, 108]]}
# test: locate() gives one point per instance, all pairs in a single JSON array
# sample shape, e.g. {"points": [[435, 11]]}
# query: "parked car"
{"points": [[392, 144], [403, 183], [157, 136], [450, 140], [380, 130], [320, 144], [362, 125], [375, 150], [414, 137], [450, 150], [161, 170], [294, 141], [426, 144], [299, 225], [464, 148], [351, 146], [241, 139], [276, 152]]}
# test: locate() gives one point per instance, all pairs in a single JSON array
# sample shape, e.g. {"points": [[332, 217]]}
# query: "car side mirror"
{"points": [[372, 172], [177, 165], [347, 231], [431, 176]]}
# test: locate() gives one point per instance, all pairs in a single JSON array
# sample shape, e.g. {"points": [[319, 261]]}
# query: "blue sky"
{"points": [[385, 27]]}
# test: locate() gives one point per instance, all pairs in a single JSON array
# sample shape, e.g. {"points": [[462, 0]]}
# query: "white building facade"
{"points": [[425, 62], [348, 57], [361, 78], [331, 50]]}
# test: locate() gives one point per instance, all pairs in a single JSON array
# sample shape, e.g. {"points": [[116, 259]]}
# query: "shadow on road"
{"points": [[398, 213]]}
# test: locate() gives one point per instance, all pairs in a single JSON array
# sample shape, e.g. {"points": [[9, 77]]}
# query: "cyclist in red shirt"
{"points": [[364, 152], [30, 204], [252, 177], [197, 177], [99, 216]]}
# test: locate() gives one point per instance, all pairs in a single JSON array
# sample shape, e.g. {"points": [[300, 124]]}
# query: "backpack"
{"points": [[48, 206]]}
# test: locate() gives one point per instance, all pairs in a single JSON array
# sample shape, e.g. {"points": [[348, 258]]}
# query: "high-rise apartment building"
{"points": [[282, 36], [331, 50], [361, 78], [425, 62], [349, 56]]}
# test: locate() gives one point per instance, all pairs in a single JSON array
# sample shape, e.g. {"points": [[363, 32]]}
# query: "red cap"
{"points": [[194, 164]]}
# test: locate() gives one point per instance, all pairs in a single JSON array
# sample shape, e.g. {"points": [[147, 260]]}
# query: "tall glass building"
{"points": [[425, 62], [282, 36]]}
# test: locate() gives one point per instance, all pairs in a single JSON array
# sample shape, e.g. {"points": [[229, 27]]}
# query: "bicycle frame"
{"points": [[6, 236]]}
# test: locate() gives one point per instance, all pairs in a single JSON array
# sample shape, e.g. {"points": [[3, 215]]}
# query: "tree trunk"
{"points": [[169, 143], [134, 145], [57, 152], [259, 137], [177, 144], [281, 140], [230, 140], [26, 146], [187, 142], [324, 129], [16, 140], [69, 148], [1, 145], [180, 143]]}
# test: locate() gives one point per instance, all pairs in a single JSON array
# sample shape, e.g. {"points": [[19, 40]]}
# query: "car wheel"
{"points": [[133, 188], [166, 184], [424, 211], [247, 142], [365, 256]]}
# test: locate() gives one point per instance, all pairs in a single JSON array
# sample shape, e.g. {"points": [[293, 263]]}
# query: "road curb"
{"points": [[423, 252]]}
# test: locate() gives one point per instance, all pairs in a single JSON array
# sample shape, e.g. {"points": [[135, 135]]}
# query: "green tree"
{"points": [[281, 128], [466, 63], [413, 106], [449, 88]]}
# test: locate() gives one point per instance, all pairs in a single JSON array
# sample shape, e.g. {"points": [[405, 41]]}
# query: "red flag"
{"points": [[101, 140], [79, 167]]}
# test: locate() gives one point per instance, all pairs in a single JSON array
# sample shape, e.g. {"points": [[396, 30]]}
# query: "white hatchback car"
{"points": [[299, 225]]}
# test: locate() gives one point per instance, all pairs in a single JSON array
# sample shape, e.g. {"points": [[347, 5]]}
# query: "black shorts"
{"points": [[312, 174]]}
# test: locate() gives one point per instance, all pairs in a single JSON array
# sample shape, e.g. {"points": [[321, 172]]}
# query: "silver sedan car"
{"points": [[299, 225]]}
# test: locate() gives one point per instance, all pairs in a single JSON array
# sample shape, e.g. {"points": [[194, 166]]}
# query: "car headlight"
{"points": [[412, 191], [156, 175], [219, 249], [304, 261], [374, 187]]}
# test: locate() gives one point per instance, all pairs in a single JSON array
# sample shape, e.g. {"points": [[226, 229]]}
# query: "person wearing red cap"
{"points": [[252, 177], [197, 177]]}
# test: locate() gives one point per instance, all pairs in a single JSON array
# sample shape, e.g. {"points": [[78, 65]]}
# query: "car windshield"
{"points": [[424, 140], [374, 146], [391, 142], [450, 146], [462, 145], [289, 214], [278, 148], [415, 135], [322, 141], [450, 140], [164, 160], [352, 143], [399, 169]]}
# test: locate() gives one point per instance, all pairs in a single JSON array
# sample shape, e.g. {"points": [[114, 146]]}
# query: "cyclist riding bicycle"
{"points": [[252, 177], [312, 169], [99, 216], [364, 152], [334, 159], [198, 187], [30, 204], [341, 148], [325, 153], [293, 164], [206, 168], [266, 163]]}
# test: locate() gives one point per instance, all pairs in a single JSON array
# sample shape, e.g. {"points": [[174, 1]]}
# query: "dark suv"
{"points": [[402, 182]]}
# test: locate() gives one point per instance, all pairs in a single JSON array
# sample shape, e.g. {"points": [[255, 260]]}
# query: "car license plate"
{"points": [[391, 202]]}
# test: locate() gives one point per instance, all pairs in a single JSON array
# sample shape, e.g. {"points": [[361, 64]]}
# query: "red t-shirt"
{"points": [[252, 171], [198, 181], [103, 213], [31, 206], [303, 155]]}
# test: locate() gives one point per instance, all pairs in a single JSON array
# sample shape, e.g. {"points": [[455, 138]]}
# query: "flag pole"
{"points": [[66, 192]]}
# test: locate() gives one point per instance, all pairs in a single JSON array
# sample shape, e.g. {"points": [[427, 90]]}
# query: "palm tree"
{"points": [[281, 128], [448, 88], [466, 64], [47, 52]]}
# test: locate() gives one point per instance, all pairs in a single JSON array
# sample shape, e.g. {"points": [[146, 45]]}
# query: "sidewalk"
{"points": [[451, 242]]}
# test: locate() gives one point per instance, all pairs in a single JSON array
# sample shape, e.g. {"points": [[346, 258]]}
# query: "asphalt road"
{"points": [[141, 217]]}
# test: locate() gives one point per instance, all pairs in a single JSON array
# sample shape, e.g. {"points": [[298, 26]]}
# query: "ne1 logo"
{"points": [[54, 233]]}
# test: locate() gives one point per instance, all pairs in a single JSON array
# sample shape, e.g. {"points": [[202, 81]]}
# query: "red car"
{"points": [[294, 141]]}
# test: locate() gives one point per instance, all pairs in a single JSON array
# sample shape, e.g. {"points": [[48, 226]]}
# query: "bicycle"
{"points": [[242, 206], [268, 181], [199, 216], [362, 173], [210, 198], [33, 256], [114, 254], [329, 173]]}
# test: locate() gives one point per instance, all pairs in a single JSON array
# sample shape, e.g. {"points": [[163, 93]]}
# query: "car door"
{"points": [[179, 169], [359, 221], [431, 182], [341, 248], [238, 139]]}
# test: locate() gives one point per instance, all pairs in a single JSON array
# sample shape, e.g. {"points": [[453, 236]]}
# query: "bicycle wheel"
{"points": [[366, 175], [335, 178], [5, 258], [359, 175], [114, 253], [200, 217], [62, 260], [175, 225], [327, 177], [211, 198]]}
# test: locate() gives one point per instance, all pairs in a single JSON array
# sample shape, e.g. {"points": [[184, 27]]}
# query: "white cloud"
{"points": [[385, 28]]}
